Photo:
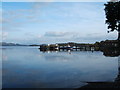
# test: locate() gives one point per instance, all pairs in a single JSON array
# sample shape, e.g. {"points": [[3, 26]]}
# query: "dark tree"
{"points": [[112, 11]]}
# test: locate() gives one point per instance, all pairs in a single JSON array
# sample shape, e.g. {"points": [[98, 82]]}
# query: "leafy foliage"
{"points": [[112, 11]]}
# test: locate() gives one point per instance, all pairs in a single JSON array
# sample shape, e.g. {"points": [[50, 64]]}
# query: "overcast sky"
{"points": [[54, 22]]}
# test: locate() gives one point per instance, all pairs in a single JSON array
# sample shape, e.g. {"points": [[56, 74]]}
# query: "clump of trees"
{"points": [[112, 11]]}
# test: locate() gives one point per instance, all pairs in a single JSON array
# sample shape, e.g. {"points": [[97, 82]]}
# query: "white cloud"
{"points": [[59, 34], [54, 0], [4, 35], [14, 20], [113, 0], [59, 37], [62, 24]]}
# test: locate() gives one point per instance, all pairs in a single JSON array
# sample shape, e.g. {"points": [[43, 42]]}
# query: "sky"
{"points": [[56, 0], [54, 22], [50, 0]]}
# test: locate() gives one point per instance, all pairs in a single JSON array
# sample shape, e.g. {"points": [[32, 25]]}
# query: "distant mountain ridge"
{"points": [[11, 44]]}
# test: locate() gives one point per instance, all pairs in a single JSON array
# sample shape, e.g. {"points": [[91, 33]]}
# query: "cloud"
{"points": [[58, 34], [113, 0], [28, 0], [15, 19], [54, 37], [93, 37], [62, 37], [0, 15], [4, 35], [54, 0], [64, 22]]}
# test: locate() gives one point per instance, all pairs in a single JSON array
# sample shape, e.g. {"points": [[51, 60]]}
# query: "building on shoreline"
{"points": [[68, 46], [105, 46]]}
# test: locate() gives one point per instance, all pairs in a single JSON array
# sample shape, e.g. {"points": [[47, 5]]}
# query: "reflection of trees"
{"points": [[4, 57], [108, 50], [111, 52], [110, 47], [116, 83], [118, 76], [112, 11]]}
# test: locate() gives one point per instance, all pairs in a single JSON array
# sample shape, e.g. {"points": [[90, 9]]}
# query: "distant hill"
{"points": [[10, 44], [34, 45]]}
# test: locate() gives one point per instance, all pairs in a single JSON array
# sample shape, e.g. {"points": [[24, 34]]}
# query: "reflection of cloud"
{"points": [[4, 58], [57, 57]]}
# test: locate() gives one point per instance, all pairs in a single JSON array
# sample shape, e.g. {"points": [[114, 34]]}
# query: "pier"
{"points": [[68, 46], [106, 46]]}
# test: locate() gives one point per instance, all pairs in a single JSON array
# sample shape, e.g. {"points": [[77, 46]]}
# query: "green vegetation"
{"points": [[112, 11]]}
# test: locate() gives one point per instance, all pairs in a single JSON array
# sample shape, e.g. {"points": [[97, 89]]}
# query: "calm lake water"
{"points": [[27, 67]]}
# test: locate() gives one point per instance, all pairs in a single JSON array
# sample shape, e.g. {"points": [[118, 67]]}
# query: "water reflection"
{"points": [[118, 76], [116, 82], [31, 68], [111, 52], [108, 53]]}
